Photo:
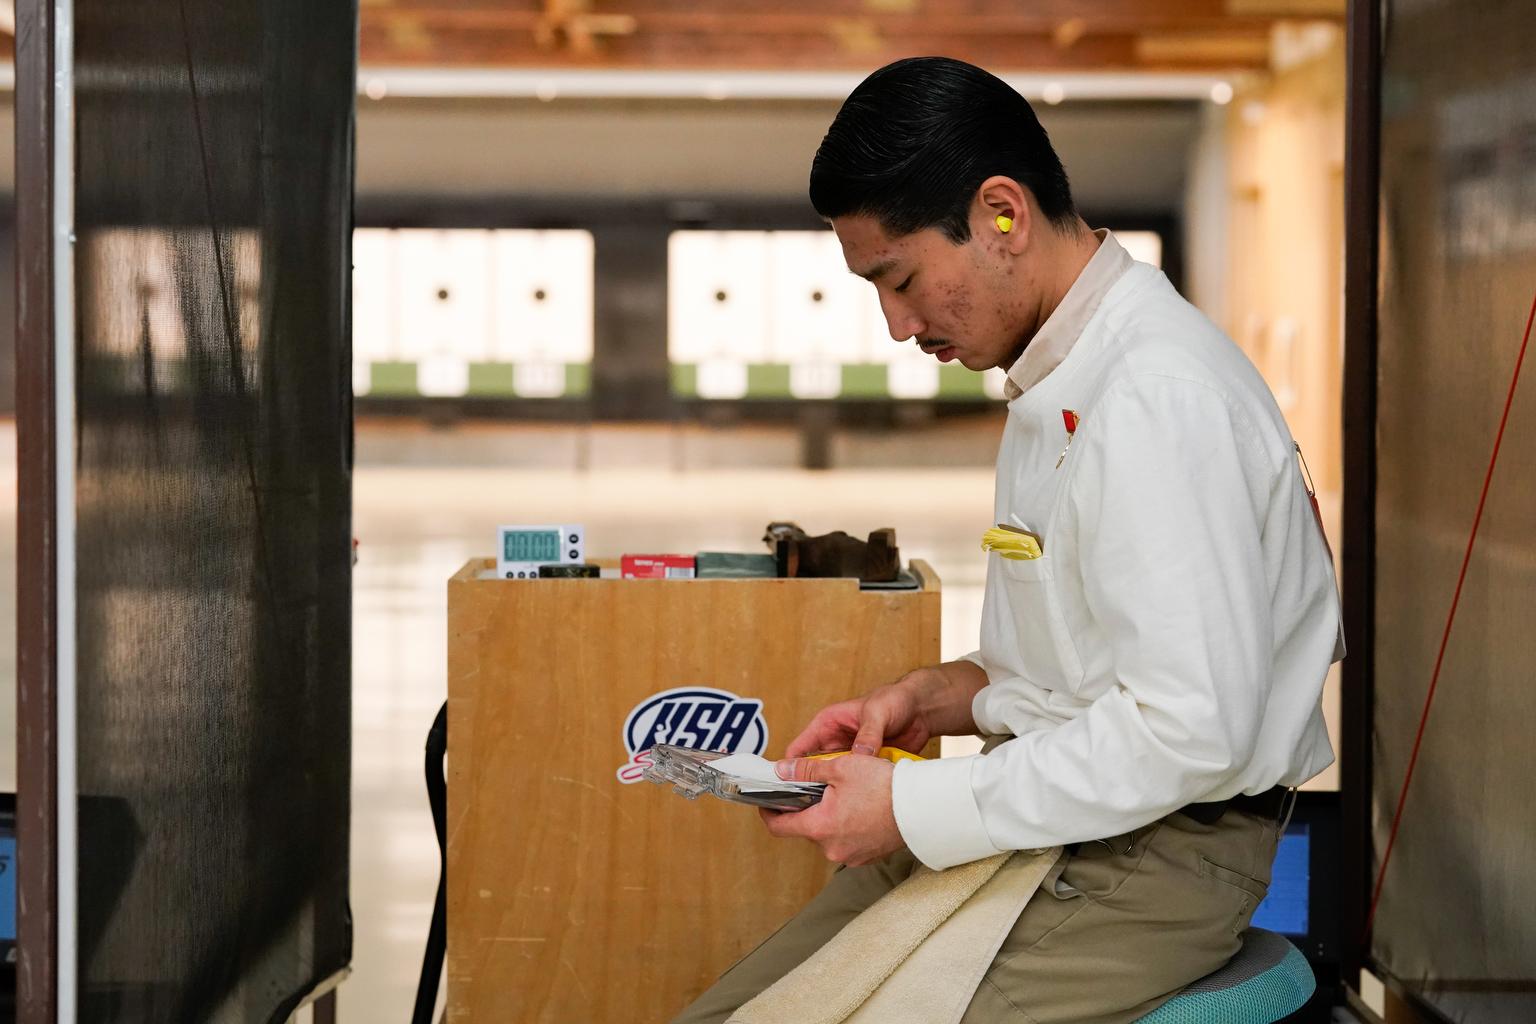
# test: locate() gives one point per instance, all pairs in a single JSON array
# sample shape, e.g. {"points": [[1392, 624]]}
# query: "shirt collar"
{"points": [[1061, 329]]}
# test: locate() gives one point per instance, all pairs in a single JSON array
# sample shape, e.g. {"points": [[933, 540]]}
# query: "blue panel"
{"points": [[8, 888], [1286, 908]]}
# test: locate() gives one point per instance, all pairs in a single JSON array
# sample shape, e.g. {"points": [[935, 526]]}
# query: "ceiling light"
{"points": [[740, 85]]}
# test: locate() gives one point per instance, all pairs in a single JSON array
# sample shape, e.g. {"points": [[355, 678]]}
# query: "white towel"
{"points": [[916, 955]]}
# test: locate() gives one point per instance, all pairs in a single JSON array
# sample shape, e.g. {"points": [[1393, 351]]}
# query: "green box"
{"points": [[955, 381], [768, 380], [685, 380], [865, 380], [490, 380], [392, 380]]}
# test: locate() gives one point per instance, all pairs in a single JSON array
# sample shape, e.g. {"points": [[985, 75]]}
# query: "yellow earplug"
{"points": [[1004, 223]]}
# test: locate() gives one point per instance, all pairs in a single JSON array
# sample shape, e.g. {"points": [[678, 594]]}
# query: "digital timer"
{"points": [[520, 550]]}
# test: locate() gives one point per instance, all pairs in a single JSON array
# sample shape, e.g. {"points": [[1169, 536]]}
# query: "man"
{"points": [[1151, 683]]}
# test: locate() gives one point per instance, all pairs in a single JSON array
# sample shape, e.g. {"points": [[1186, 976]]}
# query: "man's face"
{"points": [[961, 302]]}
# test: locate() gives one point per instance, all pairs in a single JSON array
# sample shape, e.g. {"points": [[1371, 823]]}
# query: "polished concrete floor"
{"points": [[426, 500]]}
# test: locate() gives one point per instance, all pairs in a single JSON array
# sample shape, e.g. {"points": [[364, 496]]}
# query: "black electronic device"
{"points": [[8, 904], [1303, 900], [575, 571]]}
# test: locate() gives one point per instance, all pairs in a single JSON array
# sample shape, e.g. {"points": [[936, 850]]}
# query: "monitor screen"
{"points": [[7, 888], [1286, 908]]}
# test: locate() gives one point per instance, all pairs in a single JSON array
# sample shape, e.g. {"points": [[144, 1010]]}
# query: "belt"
{"points": [[1269, 804], [1272, 804]]}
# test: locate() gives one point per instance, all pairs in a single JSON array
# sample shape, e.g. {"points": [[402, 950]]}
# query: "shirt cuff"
{"points": [[984, 726], [986, 723], [936, 812]]}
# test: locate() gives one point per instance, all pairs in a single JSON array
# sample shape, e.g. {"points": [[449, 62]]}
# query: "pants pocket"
{"points": [[1249, 891]]}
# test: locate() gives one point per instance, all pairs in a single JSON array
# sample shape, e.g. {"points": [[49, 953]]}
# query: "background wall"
{"points": [[1264, 238], [1122, 156], [631, 170]]}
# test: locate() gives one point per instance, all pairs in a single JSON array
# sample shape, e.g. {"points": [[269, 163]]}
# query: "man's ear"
{"points": [[1002, 206]]}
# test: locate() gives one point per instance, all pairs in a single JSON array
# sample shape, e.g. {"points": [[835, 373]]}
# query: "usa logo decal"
{"points": [[697, 717]]}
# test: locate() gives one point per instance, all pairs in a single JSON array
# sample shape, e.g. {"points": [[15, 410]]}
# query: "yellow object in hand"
{"points": [[894, 755], [1011, 542]]}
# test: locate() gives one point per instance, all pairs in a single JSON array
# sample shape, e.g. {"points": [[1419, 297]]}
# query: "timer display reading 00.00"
{"points": [[531, 546]]}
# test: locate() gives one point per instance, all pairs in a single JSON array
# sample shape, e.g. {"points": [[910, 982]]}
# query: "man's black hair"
{"points": [[915, 140]]}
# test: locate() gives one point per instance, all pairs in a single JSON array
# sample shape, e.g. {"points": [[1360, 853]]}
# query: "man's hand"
{"points": [[854, 823], [886, 716], [928, 702]]}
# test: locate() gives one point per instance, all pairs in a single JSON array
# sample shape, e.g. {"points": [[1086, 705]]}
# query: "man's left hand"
{"points": [[854, 823]]}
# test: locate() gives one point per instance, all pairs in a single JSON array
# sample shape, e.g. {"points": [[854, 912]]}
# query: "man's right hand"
{"points": [[887, 716], [922, 704]]}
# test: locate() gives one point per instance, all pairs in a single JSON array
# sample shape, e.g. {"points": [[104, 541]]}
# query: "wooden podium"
{"points": [[575, 897]]}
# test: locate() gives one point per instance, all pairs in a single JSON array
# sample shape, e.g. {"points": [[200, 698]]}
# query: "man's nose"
{"points": [[901, 321]]}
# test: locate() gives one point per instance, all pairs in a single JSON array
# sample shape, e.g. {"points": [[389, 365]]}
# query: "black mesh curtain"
{"points": [[214, 153], [1457, 925]]}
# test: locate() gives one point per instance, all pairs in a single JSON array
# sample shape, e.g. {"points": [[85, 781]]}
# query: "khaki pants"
{"points": [[1117, 926]]}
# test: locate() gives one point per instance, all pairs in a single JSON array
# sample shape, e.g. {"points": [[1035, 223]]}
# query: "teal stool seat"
{"points": [[1268, 980]]}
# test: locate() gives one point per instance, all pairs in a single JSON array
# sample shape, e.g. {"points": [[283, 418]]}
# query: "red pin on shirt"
{"points": [[1070, 420]]}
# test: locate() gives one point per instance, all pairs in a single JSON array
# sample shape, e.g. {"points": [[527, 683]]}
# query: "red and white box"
{"points": [[657, 567]]}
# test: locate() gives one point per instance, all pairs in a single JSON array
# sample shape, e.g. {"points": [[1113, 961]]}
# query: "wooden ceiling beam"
{"points": [[1037, 35], [1185, 48], [1107, 12], [779, 22], [1326, 9], [849, 46]]}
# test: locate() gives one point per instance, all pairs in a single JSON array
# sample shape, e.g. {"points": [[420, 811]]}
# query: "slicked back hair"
{"points": [[915, 140]]}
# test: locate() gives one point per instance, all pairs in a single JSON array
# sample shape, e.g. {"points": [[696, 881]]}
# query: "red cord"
{"points": [[1434, 679]]}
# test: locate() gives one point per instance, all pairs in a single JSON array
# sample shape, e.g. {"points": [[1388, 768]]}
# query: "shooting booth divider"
{"points": [[1442, 281], [184, 200]]}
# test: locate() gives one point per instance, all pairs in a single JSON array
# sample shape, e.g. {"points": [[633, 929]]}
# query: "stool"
{"points": [[1266, 981]]}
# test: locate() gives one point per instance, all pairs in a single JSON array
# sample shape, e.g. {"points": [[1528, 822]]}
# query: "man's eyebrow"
{"points": [[877, 271]]}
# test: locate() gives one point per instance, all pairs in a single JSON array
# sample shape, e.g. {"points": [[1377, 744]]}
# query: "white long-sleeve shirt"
{"points": [[1171, 644]]}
